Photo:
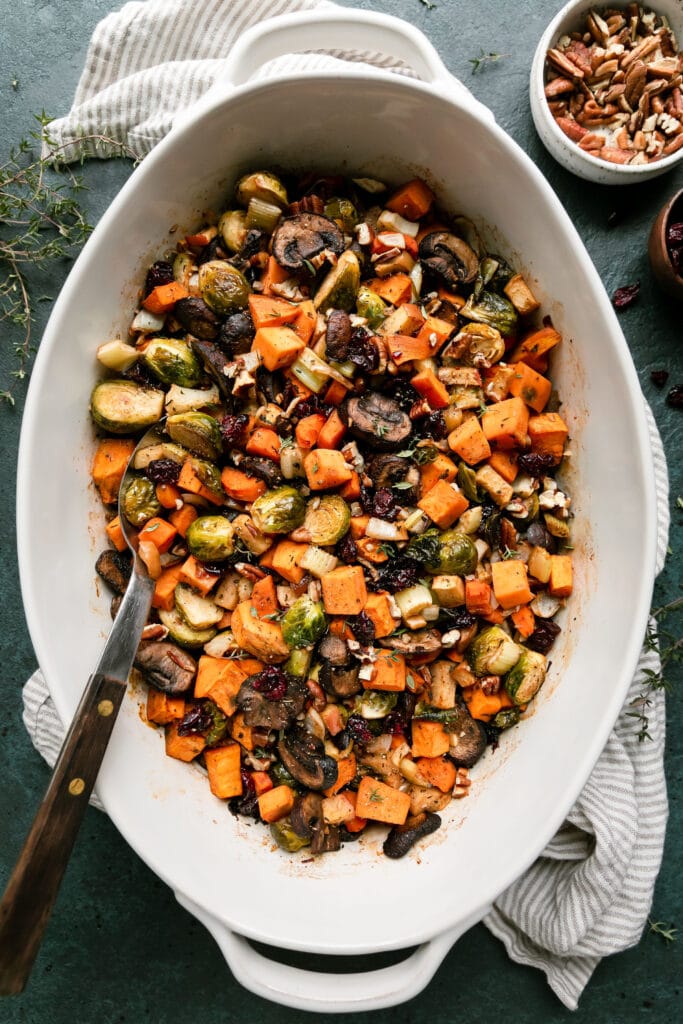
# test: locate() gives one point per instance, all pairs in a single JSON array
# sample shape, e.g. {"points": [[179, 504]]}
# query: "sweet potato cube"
{"points": [[223, 767], [396, 289], [548, 433], [483, 706], [277, 346], [388, 673], [183, 748], [533, 349], [276, 803], [275, 274], [524, 620], [240, 486], [259, 637], [378, 610], [159, 532], [241, 732], [438, 772], [430, 387], [264, 441], [332, 431], [510, 583], [435, 331], [443, 504], [162, 708], [404, 349], [164, 297], [326, 468], [505, 465], [115, 534], [264, 598], [412, 201], [344, 591], [189, 481], [478, 595], [560, 583], [262, 782], [505, 423], [469, 441], [267, 311], [287, 560], [194, 573], [183, 518], [379, 802], [164, 588], [531, 387], [305, 322], [222, 674], [440, 468], [430, 739], [109, 465], [346, 772]]}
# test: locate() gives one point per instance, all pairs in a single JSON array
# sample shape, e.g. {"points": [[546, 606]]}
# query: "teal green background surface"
{"points": [[118, 947]]}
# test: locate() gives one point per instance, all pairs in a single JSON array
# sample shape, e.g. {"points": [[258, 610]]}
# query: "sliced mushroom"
{"points": [[326, 839], [300, 239], [383, 766], [166, 666], [306, 815], [403, 837], [427, 801], [303, 755], [255, 241], [114, 567], [195, 317], [414, 643], [334, 650], [340, 682], [264, 469], [338, 335], [378, 420], [389, 470], [215, 363], [449, 257], [467, 739], [237, 333], [262, 713]]}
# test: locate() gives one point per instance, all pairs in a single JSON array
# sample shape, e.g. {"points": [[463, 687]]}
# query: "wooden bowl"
{"points": [[660, 260]]}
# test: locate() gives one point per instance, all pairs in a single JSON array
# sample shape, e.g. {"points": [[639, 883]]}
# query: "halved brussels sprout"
{"points": [[261, 185], [426, 549], [493, 652], [219, 723], [278, 511], [172, 361], [222, 286], [372, 704], [286, 838], [458, 554], [183, 268], [211, 538], [304, 623], [340, 287], [369, 305], [181, 633], [197, 431], [232, 227], [343, 211], [123, 407], [299, 663], [477, 344], [327, 520], [140, 502], [467, 482], [492, 309], [526, 678], [506, 718], [198, 612]]}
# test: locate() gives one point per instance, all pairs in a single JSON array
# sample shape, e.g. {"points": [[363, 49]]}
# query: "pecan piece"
{"points": [[563, 64], [571, 129]]}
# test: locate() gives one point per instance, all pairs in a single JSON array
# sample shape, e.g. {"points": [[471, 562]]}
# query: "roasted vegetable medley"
{"points": [[352, 516]]}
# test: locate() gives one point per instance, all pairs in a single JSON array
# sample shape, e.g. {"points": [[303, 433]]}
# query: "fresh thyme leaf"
{"points": [[310, 267], [509, 553], [402, 485], [663, 928], [679, 501], [287, 442], [485, 58]]}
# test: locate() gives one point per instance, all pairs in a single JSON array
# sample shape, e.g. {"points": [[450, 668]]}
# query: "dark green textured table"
{"points": [[118, 947]]}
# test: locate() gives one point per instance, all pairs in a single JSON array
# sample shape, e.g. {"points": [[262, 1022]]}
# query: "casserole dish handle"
{"points": [[320, 992], [332, 29]]}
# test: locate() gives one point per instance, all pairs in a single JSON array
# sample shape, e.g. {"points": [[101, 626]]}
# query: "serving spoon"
{"points": [[34, 883]]}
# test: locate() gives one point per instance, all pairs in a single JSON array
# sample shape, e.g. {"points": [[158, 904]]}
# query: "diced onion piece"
{"points": [[318, 562], [149, 553], [411, 772], [470, 520], [371, 185], [180, 399], [431, 612], [391, 240], [416, 522], [222, 645], [415, 276], [380, 529], [147, 323], [117, 355], [292, 461], [545, 605], [413, 600], [482, 548], [390, 221]]}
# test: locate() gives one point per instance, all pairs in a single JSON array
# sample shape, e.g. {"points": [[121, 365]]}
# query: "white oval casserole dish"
{"points": [[222, 869]]}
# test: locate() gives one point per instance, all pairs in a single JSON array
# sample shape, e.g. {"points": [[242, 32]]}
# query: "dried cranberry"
{"points": [[535, 463], [675, 397], [216, 568], [674, 235], [384, 504], [358, 729], [248, 784], [396, 723], [403, 572], [160, 272], [402, 391], [626, 296], [234, 430], [492, 734], [213, 250], [433, 425], [543, 636], [659, 378], [346, 550], [363, 628], [271, 682], [196, 721], [247, 803], [456, 618], [163, 471], [139, 373], [362, 352]]}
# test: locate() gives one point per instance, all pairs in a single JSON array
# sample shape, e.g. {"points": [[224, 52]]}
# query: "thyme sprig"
{"points": [[663, 928], [669, 645], [483, 59], [41, 222]]}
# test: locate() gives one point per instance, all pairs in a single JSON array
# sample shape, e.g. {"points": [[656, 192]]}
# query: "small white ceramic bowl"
{"points": [[570, 19]]}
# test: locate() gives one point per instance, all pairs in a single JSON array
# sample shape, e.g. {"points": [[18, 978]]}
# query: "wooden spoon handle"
{"points": [[34, 883]]}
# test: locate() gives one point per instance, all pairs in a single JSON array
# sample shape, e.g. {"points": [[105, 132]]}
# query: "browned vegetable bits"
{"points": [[614, 88]]}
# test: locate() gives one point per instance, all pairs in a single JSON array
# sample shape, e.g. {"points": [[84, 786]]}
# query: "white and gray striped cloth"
{"points": [[590, 892]]}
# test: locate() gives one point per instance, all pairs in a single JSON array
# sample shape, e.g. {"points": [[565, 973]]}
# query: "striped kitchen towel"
{"points": [[589, 893]]}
